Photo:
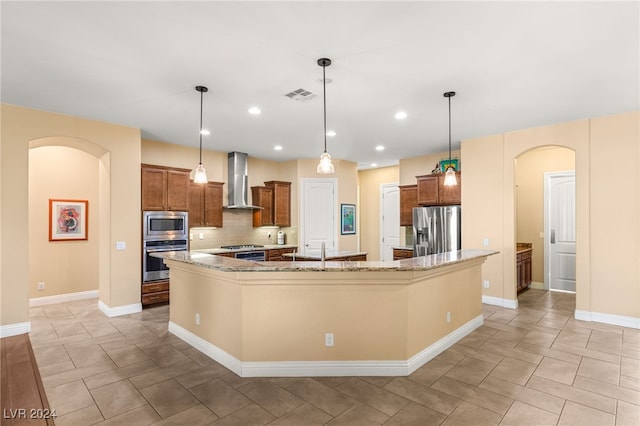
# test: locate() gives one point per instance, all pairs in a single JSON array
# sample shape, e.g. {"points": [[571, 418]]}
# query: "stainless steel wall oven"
{"points": [[162, 232]]}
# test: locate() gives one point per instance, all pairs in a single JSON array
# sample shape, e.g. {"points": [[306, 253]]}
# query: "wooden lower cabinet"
{"points": [[275, 255], [402, 254], [155, 292], [523, 270]]}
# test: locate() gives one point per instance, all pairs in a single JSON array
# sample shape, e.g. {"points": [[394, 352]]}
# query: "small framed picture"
{"points": [[347, 219], [454, 162], [68, 220]]}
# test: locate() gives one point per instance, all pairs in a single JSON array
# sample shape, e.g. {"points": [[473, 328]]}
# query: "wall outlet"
{"points": [[542, 235], [448, 316], [485, 242], [41, 286], [201, 235], [486, 284], [328, 339], [197, 318], [191, 236], [268, 234]]}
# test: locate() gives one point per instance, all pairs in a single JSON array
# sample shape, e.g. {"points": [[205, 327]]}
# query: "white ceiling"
{"points": [[513, 65]]}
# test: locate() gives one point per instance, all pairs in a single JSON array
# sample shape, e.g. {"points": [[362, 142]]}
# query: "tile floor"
{"points": [[532, 366]]}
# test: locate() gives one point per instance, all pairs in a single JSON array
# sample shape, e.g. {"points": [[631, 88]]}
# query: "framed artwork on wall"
{"points": [[347, 219], [68, 220]]}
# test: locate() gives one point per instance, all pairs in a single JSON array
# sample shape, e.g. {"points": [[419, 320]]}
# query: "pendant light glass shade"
{"points": [[199, 173], [450, 174], [325, 166]]}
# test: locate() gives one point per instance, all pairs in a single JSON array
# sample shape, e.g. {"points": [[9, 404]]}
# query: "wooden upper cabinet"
{"points": [[262, 196], [205, 204], [164, 188], [433, 192], [213, 204], [408, 200], [449, 194], [281, 202], [427, 190]]}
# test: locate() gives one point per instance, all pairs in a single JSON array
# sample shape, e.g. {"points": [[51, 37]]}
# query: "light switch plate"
{"points": [[121, 245]]}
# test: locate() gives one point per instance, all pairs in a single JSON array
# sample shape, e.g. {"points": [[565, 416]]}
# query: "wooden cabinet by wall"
{"points": [[523, 270], [205, 204], [164, 188], [275, 200], [402, 254], [433, 192], [281, 202], [408, 200], [262, 196]]}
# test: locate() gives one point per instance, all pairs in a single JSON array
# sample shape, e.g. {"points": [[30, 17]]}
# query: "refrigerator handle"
{"points": [[553, 236]]}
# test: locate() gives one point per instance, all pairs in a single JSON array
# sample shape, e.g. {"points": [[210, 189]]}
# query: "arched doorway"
{"points": [[530, 203], [68, 168]]}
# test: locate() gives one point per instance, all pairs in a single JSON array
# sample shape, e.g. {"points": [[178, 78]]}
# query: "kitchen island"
{"points": [[274, 319]]}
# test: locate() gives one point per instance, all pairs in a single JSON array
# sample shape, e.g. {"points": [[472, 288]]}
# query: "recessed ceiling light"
{"points": [[331, 133], [254, 111], [205, 132], [379, 148], [400, 115], [278, 147], [374, 164]]}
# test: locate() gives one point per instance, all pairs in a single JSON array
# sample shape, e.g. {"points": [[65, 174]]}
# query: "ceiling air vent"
{"points": [[301, 95]]}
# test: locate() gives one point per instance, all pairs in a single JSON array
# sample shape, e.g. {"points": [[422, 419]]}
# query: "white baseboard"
{"points": [[60, 298], [498, 301], [622, 321], [15, 329], [325, 368], [536, 285], [119, 310]]}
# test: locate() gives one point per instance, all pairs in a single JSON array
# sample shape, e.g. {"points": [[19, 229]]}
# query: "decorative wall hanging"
{"points": [[68, 220]]}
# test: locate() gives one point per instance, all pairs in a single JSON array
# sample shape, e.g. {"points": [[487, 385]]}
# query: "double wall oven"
{"points": [[162, 231]]}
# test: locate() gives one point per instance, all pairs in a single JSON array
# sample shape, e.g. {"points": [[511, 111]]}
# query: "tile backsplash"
{"points": [[238, 229]]}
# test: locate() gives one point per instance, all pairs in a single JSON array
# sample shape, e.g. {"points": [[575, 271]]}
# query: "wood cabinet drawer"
{"points": [[361, 258], [150, 299], [230, 254], [524, 256], [402, 254], [155, 287], [276, 254]]}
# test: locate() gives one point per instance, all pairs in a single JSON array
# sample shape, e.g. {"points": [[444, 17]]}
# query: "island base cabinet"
{"points": [[155, 292]]}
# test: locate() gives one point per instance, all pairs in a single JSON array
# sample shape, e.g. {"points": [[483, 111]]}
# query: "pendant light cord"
{"points": [[449, 129], [201, 104], [324, 101]]}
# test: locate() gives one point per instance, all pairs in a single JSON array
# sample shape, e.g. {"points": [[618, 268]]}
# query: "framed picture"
{"points": [[68, 220], [444, 164], [347, 219]]}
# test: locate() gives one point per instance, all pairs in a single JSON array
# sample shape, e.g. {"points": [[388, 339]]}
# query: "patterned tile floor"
{"points": [[532, 366]]}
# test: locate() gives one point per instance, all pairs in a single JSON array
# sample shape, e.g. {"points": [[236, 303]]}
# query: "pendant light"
{"points": [[450, 174], [200, 175], [325, 166]]}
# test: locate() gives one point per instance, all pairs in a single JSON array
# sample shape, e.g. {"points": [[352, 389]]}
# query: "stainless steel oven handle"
{"points": [[169, 249]]}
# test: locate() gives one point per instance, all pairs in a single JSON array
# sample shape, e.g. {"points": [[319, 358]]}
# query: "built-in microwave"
{"points": [[164, 225]]}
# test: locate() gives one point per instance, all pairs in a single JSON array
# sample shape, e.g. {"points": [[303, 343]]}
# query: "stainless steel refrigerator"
{"points": [[436, 230]]}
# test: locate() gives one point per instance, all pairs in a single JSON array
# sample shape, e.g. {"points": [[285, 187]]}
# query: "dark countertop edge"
{"points": [[267, 247], [316, 257]]}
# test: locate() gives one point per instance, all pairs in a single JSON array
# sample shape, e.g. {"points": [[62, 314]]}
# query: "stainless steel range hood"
{"points": [[238, 181]]}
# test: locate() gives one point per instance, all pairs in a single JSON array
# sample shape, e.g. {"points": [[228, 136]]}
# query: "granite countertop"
{"points": [[421, 263], [329, 254], [523, 247], [219, 250]]}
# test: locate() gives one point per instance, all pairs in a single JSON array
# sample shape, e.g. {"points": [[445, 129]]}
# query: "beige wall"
{"points": [[423, 165], [369, 207], [64, 266], [607, 265], [117, 149], [530, 169]]}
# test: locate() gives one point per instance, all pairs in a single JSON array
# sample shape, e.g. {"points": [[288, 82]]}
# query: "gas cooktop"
{"points": [[242, 246]]}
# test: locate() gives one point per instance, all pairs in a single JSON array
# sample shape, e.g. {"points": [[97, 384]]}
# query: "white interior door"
{"points": [[560, 231], [389, 219], [318, 204]]}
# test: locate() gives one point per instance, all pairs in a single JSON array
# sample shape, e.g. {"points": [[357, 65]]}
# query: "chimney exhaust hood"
{"points": [[238, 181]]}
